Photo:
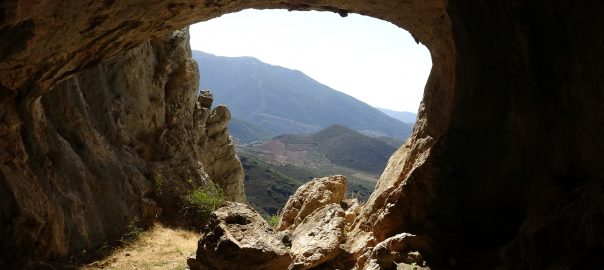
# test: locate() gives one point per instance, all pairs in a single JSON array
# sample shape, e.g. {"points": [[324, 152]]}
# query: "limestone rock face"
{"points": [[317, 239], [115, 143], [237, 237], [309, 197], [218, 154]]}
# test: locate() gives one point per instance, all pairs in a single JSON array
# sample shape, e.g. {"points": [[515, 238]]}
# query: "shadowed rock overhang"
{"points": [[504, 167]]}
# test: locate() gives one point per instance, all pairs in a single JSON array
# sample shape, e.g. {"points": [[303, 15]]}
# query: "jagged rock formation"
{"points": [[102, 148], [218, 156], [237, 237], [317, 239], [309, 197], [396, 252], [503, 169]]}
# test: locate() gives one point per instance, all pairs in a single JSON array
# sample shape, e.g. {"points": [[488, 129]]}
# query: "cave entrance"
{"points": [[311, 94]]}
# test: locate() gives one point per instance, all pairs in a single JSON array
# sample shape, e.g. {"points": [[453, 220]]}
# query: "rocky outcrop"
{"points": [[352, 207], [397, 252], [317, 239], [505, 155], [309, 197], [218, 154], [237, 237], [115, 143]]}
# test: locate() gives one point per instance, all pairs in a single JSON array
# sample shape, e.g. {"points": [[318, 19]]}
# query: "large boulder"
{"points": [[310, 197], [237, 237], [396, 252], [317, 239]]}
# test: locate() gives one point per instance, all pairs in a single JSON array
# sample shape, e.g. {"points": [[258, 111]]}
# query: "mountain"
{"points": [[268, 185], [405, 117], [246, 132], [345, 147], [276, 168], [286, 101]]}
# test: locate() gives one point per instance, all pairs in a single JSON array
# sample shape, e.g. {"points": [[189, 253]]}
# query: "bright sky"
{"points": [[369, 59]]}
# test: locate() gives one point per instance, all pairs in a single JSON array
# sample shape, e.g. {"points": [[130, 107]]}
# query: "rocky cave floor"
{"points": [[311, 233], [159, 247]]}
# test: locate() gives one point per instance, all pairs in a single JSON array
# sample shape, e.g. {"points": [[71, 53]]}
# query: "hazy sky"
{"points": [[369, 59]]}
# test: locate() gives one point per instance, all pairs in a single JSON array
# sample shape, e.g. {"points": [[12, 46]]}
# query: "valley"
{"points": [[276, 168], [290, 128]]}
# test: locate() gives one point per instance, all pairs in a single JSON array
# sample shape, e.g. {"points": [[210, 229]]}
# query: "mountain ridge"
{"points": [[405, 117], [287, 101]]}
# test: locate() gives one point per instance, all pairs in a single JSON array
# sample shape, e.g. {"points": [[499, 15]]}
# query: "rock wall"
{"points": [[102, 148], [516, 179], [503, 169]]}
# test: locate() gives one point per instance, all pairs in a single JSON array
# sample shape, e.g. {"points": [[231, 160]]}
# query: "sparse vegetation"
{"points": [[273, 220], [201, 202], [268, 186], [158, 182], [134, 231], [159, 248]]}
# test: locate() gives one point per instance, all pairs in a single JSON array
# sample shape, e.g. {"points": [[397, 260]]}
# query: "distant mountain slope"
{"points": [[268, 186], [266, 189], [345, 147], [406, 117], [394, 142], [246, 132], [286, 101]]}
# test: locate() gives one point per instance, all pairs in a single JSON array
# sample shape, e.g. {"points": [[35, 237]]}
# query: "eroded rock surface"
{"points": [[218, 154], [113, 144], [237, 237], [309, 197], [397, 252], [317, 239]]}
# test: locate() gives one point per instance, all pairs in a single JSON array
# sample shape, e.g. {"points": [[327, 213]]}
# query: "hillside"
{"points": [[276, 168], [287, 101], [345, 147], [246, 132], [269, 184], [266, 189]]}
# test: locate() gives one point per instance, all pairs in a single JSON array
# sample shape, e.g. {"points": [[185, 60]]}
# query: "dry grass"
{"points": [[157, 248]]}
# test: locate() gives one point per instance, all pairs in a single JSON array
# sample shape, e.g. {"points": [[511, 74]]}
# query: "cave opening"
{"points": [[506, 134], [288, 77]]}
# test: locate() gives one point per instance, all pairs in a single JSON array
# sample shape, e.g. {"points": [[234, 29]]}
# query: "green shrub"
{"points": [[273, 220], [134, 231], [158, 182], [201, 202]]}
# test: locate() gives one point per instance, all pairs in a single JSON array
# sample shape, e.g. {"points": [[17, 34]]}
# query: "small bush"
{"points": [[273, 220], [134, 231], [201, 202]]}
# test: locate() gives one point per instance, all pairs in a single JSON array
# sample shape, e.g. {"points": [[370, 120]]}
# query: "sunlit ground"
{"points": [[158, 248]]}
